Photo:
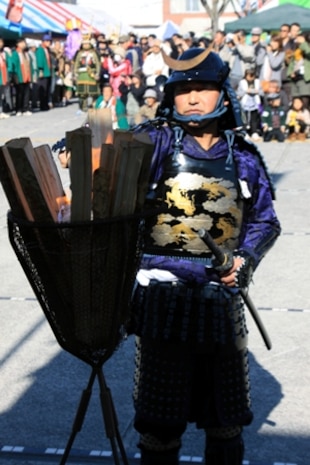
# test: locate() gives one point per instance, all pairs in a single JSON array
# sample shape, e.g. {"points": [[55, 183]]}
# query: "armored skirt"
{"points": [[191, 358]]}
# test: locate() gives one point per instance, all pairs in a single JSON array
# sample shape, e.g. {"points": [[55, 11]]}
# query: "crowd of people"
{"points": [[269, 73]]}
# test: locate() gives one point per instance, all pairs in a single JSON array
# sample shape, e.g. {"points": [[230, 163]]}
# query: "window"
{"points": [[192, 5], [185, 6]]}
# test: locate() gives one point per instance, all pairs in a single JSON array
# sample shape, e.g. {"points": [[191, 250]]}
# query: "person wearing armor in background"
{"points": [[188, 317]]}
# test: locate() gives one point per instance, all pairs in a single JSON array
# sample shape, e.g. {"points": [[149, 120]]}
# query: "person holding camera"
{"points": [[242, 58]]}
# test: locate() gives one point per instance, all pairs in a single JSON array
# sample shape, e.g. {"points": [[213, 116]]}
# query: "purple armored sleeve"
{"points": [[260, 226]]}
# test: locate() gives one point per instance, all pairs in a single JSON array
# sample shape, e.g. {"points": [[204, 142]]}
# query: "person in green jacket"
{"points": [[118, 110], [21, 76], [44, 65]]}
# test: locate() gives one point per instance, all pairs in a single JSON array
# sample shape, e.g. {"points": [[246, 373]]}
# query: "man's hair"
{"points": [[295, 24]]}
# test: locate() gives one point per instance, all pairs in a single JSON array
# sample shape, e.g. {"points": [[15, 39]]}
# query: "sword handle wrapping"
{"points": [[224, 260]]}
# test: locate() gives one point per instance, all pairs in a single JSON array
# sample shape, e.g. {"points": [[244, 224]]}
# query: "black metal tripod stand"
{"points": [[109, 417]]}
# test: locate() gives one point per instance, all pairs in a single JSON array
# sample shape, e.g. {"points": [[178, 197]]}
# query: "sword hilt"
{"points": [[224, 259]]}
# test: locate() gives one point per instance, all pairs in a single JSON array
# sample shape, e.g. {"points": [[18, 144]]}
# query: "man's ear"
{"points": [[226, 103]]}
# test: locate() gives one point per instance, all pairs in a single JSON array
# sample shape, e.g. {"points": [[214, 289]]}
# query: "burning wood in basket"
{"points": [[107, 179]]}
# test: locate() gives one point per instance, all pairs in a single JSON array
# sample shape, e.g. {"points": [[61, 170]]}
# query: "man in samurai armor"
{"points": [[86, 71], [187, 314]]}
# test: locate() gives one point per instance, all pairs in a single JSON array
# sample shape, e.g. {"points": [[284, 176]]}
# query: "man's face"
{"points": [[284, 32], [218, 38], [294, 32], [255, 38], [196, 98]]}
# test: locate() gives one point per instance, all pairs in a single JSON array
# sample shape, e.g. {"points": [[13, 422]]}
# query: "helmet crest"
{"points": [[184, 65]]}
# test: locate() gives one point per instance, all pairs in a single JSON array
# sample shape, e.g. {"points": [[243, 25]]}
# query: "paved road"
{"points": [[41, 384]]}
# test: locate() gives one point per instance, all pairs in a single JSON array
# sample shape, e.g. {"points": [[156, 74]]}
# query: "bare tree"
{"points": [[215, 8]]}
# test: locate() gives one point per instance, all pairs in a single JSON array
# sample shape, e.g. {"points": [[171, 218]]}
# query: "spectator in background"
{"points": [[275, 88], [259, 49], [298, 70], [274, 119], [45, 71], [5, 88], [133, 52], [149, 109], [21, 74], [144, 44], [288, 46], [58, 55], [249, 93], [273, 62], [108, 100], [203, 42], [104, 51], [119, 68], [242, 58], [133, 91], [154, 64], [295, 31], [219, 44], [34, 91], [297, 121], [68, 83]]}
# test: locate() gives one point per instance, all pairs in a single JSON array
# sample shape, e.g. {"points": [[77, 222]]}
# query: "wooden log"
{"points": [[120, 138], [20, 156], [13, 191], [79, 143], [131, 178], [51, 182], [100, 122], [102, 182]]}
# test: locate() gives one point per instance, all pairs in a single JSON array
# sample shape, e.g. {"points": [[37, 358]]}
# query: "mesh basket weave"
{"points": [[83, 276]]}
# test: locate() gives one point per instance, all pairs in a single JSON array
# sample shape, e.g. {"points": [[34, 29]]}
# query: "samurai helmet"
{"points": [[198, 64]]}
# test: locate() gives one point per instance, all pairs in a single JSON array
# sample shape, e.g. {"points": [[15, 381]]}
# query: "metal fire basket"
{"points": [[83, 276]]}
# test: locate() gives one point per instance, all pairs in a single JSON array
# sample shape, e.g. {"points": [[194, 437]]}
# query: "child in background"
{"points": [[149, 109], [68, 83], [297, 120], [273, 119], [249, 92], [116, 106]]}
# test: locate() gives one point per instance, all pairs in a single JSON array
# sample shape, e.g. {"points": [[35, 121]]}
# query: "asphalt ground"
{"points": [[41, 384]]}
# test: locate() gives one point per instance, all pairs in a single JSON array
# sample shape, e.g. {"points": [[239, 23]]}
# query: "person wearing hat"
{"points": [[242, 57], [274, 119], [259, 49], [148, 110], [133, 51], [86, 73], [187, 313], [45, 71]]}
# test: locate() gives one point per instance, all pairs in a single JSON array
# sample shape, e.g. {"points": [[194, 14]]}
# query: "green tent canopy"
{"points": [[271, 19]]}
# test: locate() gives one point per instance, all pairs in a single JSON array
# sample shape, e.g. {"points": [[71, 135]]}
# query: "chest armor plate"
{"points": [[194, 194]]}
